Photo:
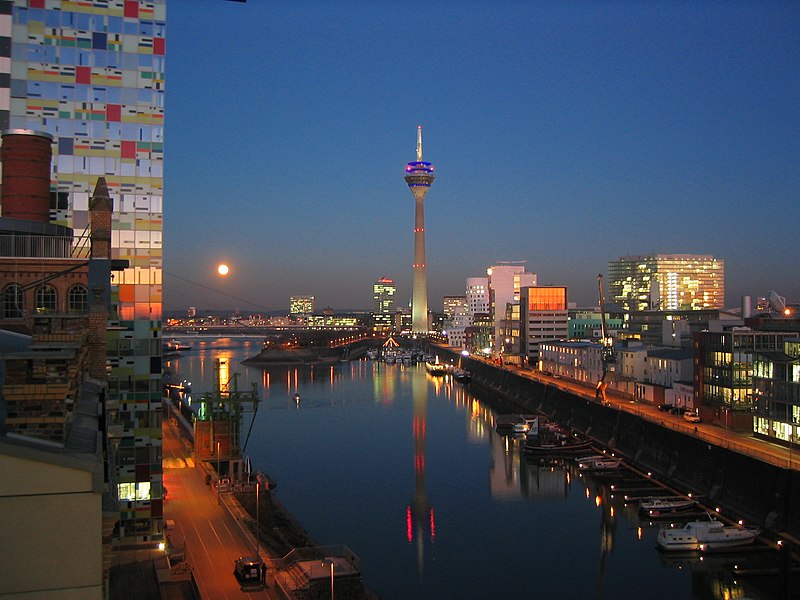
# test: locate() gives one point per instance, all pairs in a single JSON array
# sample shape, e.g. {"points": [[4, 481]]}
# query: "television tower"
{"points": [[419, 177]]}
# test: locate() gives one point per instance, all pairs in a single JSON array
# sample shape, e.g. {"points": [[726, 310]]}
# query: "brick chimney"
{"points": [[26, 156], [100, 208]]}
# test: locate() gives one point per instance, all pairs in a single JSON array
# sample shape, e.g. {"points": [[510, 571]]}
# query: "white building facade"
{"points": [[506, 279]]}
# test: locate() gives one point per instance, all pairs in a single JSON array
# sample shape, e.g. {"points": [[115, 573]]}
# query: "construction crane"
{"points": [[607, 355]]}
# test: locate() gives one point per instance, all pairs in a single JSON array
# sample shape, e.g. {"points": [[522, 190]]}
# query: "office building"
{"points": [[477, 294], [505, 280], [419, 178], [586, 323], [91, 75], [301, 306], [776, 379], [730, 366], [667, 282], [543, 318], [384, 292], [455, 311]]}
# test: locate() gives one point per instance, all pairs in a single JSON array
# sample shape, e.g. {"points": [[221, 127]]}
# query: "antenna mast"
{"points": [[419, 143]]}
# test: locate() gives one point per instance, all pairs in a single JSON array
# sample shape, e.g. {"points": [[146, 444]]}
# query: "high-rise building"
{"points": [[419, 177], [91, 74], [383, 304], [505, 281], [301, 306], [667, 282], [543, 318], [477, 293]]}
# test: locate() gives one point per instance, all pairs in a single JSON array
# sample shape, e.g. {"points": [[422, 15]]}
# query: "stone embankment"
{"points": [[761, 493]]}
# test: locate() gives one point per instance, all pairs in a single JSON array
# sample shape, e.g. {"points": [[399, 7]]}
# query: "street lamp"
{"points": [[258, 526], [329, 562]]}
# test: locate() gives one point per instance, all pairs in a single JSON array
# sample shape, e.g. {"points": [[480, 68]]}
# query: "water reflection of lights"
{"points": [[224, 372]]}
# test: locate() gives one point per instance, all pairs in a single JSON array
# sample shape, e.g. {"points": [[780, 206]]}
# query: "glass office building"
{"points": [[383, 304], [91, 74], [667, 282]]}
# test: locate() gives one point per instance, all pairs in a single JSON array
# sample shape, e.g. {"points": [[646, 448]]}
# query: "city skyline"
{"points": [[566, 136]]}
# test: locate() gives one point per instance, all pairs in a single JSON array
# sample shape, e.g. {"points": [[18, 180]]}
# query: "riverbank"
{"points": [[279, 531], [762, 493]]}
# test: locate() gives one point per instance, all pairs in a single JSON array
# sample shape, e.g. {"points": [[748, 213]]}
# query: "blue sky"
{"points": [[565, 134]]}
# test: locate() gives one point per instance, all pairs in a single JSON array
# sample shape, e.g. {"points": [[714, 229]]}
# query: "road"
{"points": [[213, 538]]}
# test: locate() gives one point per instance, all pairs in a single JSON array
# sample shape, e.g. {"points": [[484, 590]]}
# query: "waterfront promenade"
{"points": [[198, 518], [713, 433], [736, 441]]}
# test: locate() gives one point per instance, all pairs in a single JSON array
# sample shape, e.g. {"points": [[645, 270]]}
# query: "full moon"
{"points": [[223, 269]]}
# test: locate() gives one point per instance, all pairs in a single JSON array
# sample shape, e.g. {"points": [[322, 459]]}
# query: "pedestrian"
{"points": [[263, 573]]}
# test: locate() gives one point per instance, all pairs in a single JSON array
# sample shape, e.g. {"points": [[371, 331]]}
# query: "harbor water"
{"points": [[407, 470]]}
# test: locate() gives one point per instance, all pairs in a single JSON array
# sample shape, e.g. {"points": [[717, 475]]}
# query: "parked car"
{"points": [[691, 416], [247, 569], [678, 410], [665, 407]]}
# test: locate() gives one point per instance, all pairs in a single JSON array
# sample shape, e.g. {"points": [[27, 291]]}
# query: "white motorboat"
{"points": [[590, 458], [437, 368], [705, 535], [524, 427], [660, 506], [600, 464]]}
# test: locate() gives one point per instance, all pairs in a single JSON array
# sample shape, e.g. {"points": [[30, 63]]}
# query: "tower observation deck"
{"points": [[419, 177]]}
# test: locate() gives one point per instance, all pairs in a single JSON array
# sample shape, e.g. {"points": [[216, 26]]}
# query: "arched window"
{"points": [[13, 303], [78, 299], [46, 299]]}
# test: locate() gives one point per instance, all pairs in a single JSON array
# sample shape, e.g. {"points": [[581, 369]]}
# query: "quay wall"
{"points": [[759, 492]]}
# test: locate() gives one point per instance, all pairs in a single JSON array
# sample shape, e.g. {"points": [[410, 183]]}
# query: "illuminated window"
{"points": [[134, 491]]}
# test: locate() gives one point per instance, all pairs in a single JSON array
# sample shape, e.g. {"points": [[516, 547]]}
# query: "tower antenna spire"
{"points": [[419, 143]]}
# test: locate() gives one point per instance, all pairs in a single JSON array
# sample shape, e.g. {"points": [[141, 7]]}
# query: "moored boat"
{"points": [[436, 367], [176, 346], [462, 375], [525, 426], [705, 535], [600, 465], [568, 446], [660, 506]]}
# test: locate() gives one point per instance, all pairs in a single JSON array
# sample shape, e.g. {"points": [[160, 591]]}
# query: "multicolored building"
{"points": [[91, 74]]}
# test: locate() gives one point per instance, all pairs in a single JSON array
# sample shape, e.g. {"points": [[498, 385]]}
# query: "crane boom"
{"points": [[607, 354]]}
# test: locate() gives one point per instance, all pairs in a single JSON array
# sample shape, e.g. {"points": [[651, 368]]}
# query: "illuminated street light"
{"points": [[329, 562]]}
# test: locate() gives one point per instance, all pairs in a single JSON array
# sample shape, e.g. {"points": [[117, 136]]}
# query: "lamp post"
{"points": [[218, 472], [329, 562], [258, 526]]}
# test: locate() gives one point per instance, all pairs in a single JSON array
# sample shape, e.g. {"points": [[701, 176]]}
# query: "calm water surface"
{"points": [[408, 472]]}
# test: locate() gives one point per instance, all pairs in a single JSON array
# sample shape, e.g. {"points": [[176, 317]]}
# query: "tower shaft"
{"points": [[419, 298], [419, 177]]}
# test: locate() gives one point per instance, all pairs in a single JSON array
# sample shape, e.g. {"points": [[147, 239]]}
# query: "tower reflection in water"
{"points": [[420, 522]]}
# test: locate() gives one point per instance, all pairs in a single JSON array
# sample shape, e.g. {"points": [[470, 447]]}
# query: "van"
{"points": [[691, 416]]}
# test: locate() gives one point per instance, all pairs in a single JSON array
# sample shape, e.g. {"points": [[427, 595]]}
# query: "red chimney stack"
{"points": [[26, 156]]}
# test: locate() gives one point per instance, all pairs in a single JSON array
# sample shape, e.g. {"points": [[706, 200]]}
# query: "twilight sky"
{"points": [[564, 134]]}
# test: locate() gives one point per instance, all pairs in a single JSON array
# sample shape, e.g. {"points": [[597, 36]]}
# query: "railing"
{"points": [[43, 246]]}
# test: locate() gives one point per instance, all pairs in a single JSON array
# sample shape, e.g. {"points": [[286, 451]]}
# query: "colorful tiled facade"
{"points": [[91, 74]]}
